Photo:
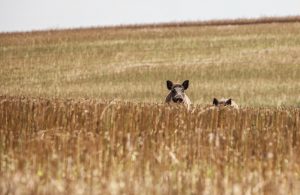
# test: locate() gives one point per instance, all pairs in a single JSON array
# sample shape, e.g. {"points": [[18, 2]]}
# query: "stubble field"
{"points": [[81, 111]]}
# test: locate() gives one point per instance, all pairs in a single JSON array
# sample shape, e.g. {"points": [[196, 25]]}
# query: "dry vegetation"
{"points": [[56, 146], [256, 65], [64, 130]]}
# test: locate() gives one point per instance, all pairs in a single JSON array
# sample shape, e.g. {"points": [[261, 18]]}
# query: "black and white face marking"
{"points": [[177, 94], [222, 102], [177, 90]]}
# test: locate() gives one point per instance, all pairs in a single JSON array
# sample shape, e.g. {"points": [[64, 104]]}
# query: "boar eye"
{"points": [[173, 91]]}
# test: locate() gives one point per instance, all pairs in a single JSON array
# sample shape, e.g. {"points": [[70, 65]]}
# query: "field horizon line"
{"points": [[211, 22]]}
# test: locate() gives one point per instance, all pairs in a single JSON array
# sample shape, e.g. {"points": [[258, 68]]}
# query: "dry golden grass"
{"points": [[81, 112], [256, 65], [56, 146]]}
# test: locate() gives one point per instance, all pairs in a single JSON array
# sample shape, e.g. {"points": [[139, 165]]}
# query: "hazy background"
{"points": [[24, 15]]}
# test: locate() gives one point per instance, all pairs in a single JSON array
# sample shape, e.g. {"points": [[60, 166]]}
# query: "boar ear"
{"points": [[215, 102], [169, 84], [228, 102], [185, 84]]}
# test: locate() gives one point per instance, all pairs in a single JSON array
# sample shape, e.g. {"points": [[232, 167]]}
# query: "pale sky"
{"points": [[27, 15]]}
